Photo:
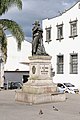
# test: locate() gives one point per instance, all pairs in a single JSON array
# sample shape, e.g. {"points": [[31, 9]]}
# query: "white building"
{"points": [[61, 36], [17, 64], [16, 59]]}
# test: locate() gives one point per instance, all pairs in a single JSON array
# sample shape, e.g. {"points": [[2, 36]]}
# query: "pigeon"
{"points": [[40, 112], [55, 108]]}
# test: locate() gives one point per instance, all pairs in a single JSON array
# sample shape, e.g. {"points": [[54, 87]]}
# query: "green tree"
{"points": [[11, 25]]}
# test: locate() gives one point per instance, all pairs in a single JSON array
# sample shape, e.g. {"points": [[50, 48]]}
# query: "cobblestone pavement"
{"points": [[12, 110]]}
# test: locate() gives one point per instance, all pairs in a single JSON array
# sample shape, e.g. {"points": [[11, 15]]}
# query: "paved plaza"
{"points": [[12, 110]]}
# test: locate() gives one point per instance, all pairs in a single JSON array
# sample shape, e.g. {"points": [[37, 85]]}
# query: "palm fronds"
{"points": [[14, 28], [6, 4]]}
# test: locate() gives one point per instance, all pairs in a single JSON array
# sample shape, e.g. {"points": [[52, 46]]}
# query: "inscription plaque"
{"points": [[44, 69]]}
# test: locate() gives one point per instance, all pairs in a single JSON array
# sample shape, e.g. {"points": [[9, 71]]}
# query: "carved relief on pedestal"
{"points": [[33, 69]]}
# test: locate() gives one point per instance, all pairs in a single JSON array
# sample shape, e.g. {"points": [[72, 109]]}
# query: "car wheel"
{"points": [[66, 92]]}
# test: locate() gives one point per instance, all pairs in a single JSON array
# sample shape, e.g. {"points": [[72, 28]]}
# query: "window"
{"points": [[48, 34], [60, 64], [73, 29], [60, 32], [73, 63]]}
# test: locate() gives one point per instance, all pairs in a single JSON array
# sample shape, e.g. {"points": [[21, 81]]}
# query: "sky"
{"points": [[36, 10]]}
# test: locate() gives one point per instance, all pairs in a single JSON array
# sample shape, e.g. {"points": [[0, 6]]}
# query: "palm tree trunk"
{"points": [[1, 69]]}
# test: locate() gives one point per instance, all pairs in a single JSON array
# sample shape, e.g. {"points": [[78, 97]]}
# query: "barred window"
{"points": [[74, 63], [73, 29], [48, 34], [60, 32], [60, 64]]}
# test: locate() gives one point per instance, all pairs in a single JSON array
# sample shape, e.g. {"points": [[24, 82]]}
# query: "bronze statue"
{"points": [[37, 40]]}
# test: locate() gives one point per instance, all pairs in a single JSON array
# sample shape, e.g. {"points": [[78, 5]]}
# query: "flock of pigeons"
{"points": [[41, 112]]}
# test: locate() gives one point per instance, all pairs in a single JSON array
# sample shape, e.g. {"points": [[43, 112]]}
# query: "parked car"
{"points": [[71, 88], [13, 85], [67, 88], [61, 88]]}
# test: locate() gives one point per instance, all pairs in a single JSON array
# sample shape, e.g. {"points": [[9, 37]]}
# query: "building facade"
{"points": [[17, 60], [16, 67], [61, 36]]}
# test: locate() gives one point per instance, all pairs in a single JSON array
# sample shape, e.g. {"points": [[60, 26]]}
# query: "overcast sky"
{"points": [[36, 10]]}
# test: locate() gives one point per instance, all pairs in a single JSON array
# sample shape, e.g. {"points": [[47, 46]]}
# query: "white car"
{"points": [[67, 88], [71, 88], [61, 88]]}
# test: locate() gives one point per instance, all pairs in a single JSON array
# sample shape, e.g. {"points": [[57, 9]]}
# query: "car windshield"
{"points": [[68, 85], [60, 85]]}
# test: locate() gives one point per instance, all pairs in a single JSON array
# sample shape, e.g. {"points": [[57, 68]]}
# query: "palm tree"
{"points": [[11, 25]]}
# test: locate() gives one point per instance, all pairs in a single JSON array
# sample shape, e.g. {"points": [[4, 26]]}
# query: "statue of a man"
{"points": [[37, 41]]}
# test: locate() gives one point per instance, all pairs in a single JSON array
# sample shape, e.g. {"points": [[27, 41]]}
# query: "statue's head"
{"points": [[36, 23]]}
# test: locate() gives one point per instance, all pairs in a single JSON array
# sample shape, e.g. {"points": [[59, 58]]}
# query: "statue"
{"points": [[37, 40]]}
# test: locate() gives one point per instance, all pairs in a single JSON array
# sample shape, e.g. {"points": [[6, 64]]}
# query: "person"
{"points": [[37, 41]]}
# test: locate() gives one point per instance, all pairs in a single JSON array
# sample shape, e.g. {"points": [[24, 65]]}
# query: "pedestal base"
{"points": [[39, 87], [39, 98], [39, 91]]}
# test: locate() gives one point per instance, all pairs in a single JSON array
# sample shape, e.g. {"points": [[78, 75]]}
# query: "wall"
{"points": [[17, 59]]}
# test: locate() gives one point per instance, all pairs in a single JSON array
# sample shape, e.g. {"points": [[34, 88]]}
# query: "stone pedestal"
{"points": [[39, 88]]}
